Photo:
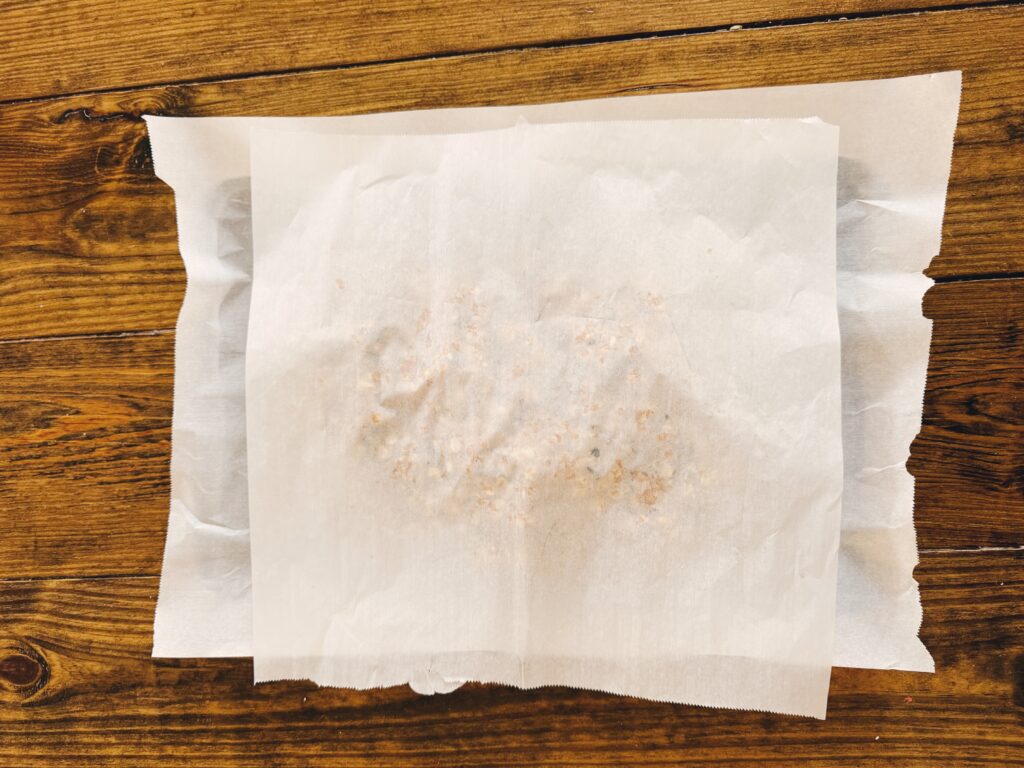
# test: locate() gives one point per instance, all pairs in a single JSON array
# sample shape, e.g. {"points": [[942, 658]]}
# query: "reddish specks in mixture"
{"points": [[641, 418], [648, 487]]}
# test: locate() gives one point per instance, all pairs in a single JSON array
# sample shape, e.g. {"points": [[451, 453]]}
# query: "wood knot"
{"points": [[22, 670], [86, 115]]}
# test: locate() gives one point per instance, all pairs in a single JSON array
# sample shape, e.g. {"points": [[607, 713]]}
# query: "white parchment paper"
{"points": [[895, 145], [548, 405]]}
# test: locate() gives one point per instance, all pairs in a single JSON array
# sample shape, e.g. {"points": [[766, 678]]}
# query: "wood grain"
{"points": [[77, 687], [92, 44], [84, 451], [968, 459], [85, 424], [87, 237]]}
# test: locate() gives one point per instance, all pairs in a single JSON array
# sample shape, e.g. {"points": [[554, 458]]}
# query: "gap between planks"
{"points": [[102, 335], [569, 43]]}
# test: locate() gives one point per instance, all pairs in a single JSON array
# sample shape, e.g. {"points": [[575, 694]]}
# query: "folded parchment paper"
{"points": [[895, 145], [548, 405]]}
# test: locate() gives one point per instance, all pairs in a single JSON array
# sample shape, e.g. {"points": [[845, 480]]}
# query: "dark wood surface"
{"points": [[90, 284]]}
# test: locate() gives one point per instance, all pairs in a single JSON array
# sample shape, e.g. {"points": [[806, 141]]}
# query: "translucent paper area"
{"points": [[548, 405], [895, 143]]}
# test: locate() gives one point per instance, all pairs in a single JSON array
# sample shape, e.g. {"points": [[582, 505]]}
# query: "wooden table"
{"points": [[91, 281]]}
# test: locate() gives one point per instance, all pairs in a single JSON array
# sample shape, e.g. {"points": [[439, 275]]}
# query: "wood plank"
{"points": [[968, 459], [84, 451], [77, 687], [82, 218], [85, 426], [99, 44]]}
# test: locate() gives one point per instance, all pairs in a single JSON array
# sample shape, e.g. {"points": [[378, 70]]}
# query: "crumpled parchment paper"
{"points": [[548, 405], [895, 145]]}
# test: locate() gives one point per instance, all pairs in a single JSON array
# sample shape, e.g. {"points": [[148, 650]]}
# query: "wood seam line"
{"points": [[99, 335], [570, 43], [979, 277]]}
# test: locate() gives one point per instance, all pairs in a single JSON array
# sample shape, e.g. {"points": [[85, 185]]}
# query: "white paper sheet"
{"points": [[895, 146], [548, 405]]}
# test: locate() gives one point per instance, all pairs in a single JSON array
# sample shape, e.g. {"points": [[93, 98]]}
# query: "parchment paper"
{"points": [[548, 405], [895, 146]]}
